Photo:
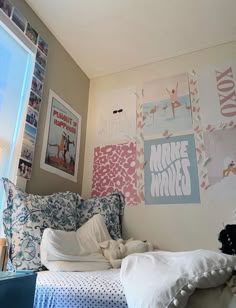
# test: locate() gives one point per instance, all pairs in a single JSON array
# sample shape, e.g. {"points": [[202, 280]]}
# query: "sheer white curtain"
{"points": [[16, 67]]}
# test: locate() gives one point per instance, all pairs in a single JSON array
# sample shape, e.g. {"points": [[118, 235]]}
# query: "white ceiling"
{"points": [[107, 36]]}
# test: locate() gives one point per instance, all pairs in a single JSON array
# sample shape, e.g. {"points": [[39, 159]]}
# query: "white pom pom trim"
{"points": [[175, 302], [206, 275], [229, 269], [190, 286], [183, 293]]}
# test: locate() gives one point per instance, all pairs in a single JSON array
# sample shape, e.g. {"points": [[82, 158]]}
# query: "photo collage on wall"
{"points": [[32, 117], [170, 162], [183, 145]]}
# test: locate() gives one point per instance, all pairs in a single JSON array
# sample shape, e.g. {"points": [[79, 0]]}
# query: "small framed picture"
{"points": [[19, 19], [27, 152], [32, 34], [32, 117], [42, 45], [34, 101], [24, 169], [39, 72], [30, 135], [37, 86], [41, 59], [6, 7]]}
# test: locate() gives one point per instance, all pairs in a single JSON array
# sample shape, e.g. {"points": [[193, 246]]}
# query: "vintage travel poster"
{"points": [[167, 105], [60, 153], [170, 172], [217, 93]]}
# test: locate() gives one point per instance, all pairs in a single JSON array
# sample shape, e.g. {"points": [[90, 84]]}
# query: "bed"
{"points": [[104, 290], [27, 216]]}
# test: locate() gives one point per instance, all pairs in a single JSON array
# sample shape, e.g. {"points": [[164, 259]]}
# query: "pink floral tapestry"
{"points": [[114, 168]]}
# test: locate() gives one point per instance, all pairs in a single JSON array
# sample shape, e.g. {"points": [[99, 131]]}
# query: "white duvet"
{"points": [[167, 279], [75, 250]]}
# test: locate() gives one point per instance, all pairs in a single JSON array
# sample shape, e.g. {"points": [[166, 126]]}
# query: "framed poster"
{"points": [[60, 152]]}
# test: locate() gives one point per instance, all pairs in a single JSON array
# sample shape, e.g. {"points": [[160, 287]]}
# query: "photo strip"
{"points": [[34, 103]]}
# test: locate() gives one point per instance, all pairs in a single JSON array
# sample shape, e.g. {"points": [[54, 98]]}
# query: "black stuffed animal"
{"points": [[227, 237]]}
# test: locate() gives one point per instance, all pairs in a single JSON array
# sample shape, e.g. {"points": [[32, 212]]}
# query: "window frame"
{"points": [[30, 48]]}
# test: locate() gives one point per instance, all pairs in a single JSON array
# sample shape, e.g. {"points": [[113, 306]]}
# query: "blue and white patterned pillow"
{"points": [[25, 218], [110, 206]]}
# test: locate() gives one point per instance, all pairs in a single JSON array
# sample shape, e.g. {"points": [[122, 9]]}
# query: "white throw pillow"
{"points": [[167, 279], [75, 251]]}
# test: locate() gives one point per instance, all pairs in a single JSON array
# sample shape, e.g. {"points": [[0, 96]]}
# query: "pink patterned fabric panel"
{"points": [[114, 167]]}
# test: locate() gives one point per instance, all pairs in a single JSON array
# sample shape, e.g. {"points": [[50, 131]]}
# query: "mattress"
{"points": [[101, 289]]}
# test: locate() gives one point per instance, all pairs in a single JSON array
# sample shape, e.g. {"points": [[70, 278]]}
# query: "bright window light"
{"points": [[16, 67]]}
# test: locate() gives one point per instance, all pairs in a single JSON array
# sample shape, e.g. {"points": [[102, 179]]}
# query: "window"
{"points": [[16, 68]]}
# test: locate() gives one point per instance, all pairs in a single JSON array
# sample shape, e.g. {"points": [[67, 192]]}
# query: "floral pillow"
{"points": [[25, 218], [110, 206]]}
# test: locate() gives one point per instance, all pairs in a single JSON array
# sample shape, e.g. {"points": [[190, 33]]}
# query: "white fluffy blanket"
{"points": [[167, 279]]}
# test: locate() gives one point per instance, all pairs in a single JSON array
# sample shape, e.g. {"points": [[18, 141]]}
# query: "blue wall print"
{"points": [[170, 172]]}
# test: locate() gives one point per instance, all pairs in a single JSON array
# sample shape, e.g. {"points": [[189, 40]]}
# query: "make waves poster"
{"points": [[170, 172]]}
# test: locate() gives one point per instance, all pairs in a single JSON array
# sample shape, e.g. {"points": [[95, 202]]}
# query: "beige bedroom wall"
{"points": [[172, 227], [68, 81]]}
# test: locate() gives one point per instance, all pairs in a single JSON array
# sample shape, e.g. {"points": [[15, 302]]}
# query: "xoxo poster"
{"points": [[217, 92], [170, 173]]}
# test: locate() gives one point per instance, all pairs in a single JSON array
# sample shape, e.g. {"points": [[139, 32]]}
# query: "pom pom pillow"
{"points": [[167, 279], [25, 218]]}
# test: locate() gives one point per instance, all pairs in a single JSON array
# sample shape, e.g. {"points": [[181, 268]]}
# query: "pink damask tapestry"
{"points": [[114, 168]]}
